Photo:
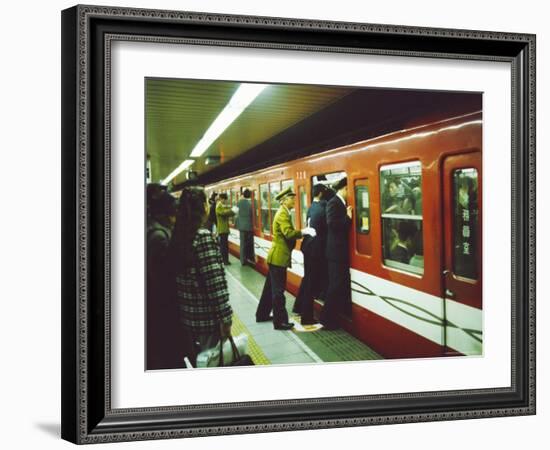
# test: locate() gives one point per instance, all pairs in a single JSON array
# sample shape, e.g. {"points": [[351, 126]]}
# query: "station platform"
{"points": [[301, 345]]}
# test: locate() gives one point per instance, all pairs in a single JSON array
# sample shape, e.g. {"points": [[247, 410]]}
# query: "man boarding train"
{"points": [[338, 296]]}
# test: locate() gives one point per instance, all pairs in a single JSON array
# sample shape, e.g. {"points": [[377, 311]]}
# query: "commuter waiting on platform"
{"points": [[278, 260], [211, 221], [223, 213], [201, 287], [163, 331], [315, 261], [339, 219], [244, 225]]}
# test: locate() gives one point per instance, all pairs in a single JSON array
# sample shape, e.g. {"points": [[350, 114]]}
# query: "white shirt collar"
{"points": [[341, 198]]}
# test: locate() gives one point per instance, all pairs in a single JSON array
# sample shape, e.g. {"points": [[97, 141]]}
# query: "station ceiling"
{"points": [[178, 113]]}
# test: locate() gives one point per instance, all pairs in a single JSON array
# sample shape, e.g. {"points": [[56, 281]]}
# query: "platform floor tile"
{"points": [[285, 347]]}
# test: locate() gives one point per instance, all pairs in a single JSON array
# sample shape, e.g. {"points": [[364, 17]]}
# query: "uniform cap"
{"points": [[284, 193]]}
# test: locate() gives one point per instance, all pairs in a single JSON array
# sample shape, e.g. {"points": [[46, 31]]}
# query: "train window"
{"points": [[287, 184], [328, 179], [401, 207], [255, 206], [264, 208], [303, 205], [362, 217], [466, 226], [274, 189], [362, 203], [234, 201]]}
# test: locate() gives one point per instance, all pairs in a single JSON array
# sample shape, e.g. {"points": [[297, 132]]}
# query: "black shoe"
{"points": [[268, 319], [284, 326], [309, 322], [227, 263]]}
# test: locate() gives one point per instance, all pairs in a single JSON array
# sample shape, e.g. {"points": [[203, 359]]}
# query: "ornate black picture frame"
{"points": [[87, 34]]}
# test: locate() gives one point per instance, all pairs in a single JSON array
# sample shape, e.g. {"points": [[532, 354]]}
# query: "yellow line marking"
{"points": [[254, 350]]}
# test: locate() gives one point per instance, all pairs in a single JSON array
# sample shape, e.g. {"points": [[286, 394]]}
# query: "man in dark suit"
{"points": [[338, 298], [315, 261], [244, 225]]}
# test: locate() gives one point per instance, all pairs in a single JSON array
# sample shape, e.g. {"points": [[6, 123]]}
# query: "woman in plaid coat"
{"points": [[201, 287]]}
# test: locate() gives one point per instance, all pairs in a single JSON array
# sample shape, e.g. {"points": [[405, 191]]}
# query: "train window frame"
{"points": [[256, 207], [314, 179], [302, 205], [464, 228], [358, 228], [272, 200], [289, 182], [263, 229], [396, 170], [363, 238]]}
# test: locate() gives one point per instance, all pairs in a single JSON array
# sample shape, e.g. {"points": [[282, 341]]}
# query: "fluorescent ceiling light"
{"points": [[184, 165], [243, 96]]}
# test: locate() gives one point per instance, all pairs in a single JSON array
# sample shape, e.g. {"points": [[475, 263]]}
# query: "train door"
{"points": [[462, 252]]}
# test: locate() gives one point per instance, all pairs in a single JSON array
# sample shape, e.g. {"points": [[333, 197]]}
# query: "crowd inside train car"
{"points": [[187, 248]]}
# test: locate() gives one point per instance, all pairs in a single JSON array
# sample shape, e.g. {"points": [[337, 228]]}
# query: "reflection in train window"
{"points": [[328, 179], [303, 205], [256, 208], [234, 200], [466, 222], [264, 208], [401, 206], [274, 189]]}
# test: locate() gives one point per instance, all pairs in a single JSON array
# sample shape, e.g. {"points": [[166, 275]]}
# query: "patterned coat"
{"points": [[203, 297], [284, 239]]}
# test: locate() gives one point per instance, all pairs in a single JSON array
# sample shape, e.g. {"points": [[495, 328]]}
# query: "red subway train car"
{"points": [[419, 189]]}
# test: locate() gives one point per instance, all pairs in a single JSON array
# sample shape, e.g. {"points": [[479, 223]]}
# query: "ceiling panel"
{"points": [[178, 112]]}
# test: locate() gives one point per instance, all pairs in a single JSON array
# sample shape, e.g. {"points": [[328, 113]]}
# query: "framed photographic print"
{"points": [[278, 224]]}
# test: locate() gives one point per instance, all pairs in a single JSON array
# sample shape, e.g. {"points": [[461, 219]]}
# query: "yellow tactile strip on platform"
{"points": [[254, 350]]}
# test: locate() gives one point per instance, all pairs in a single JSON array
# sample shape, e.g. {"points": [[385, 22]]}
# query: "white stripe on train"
{"points": [[414, 310]]}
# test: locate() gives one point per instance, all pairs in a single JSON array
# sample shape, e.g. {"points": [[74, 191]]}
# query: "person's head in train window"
{"points": [[341, 187], [393, 188], [318, 191], [328, 194]]}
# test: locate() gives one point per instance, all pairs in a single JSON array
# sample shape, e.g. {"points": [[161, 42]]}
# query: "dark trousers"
{"points": [[314, 285], [247, 246], [224, 247], [338, 297], [273, 296]]}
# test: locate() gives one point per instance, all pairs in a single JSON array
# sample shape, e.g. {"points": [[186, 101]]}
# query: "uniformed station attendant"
{"points": [[278, 260]]}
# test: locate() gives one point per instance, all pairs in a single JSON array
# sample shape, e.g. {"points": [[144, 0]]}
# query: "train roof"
{"points": [[420, 130]]}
